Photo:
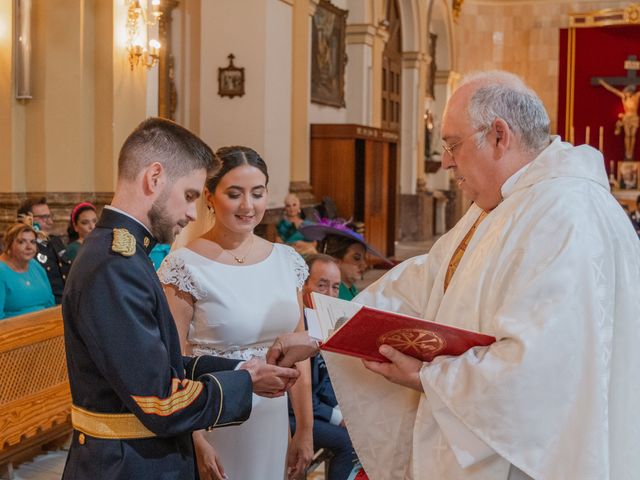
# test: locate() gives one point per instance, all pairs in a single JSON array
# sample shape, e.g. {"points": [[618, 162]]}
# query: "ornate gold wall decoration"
{"points": [[629, 15]]}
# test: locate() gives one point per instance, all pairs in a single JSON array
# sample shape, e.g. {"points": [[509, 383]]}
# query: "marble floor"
{"points": [[49, 466]]}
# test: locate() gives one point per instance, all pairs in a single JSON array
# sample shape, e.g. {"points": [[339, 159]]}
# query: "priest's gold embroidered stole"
{"points": [[457, 255]]}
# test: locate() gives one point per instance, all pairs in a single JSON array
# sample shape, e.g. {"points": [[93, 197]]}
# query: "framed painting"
{"points": [[628, 175], [231, 80], [328, 54]]}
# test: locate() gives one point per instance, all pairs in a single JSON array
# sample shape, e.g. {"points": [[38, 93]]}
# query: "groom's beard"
{"points": [[163, 227]]}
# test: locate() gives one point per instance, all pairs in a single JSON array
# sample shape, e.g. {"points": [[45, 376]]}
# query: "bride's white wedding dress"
{"points": [[239, 310]]}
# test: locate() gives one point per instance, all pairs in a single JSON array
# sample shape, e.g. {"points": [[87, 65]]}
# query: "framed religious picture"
{"points": [[328, 54], [628, 175], [231, 80]]}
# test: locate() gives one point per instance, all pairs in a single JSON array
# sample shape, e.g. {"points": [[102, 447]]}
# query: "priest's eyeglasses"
{"points": [[450, 148]]}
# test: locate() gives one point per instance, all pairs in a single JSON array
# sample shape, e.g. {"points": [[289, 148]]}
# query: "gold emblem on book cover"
{"points": [[414, 341], [124, 242]]}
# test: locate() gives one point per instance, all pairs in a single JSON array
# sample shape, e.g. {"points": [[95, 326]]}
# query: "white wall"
{"points": [[259, 35]]}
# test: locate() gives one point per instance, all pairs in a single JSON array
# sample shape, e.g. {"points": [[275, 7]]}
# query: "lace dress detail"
{"points": [[299, 266], [173, 271], [236, 354]]}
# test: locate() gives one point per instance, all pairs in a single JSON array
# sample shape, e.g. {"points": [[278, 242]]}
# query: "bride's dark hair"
{"points": [[236, 156]]}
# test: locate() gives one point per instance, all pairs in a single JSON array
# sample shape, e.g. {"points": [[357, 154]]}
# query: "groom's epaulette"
{"points": [[123, 242]]}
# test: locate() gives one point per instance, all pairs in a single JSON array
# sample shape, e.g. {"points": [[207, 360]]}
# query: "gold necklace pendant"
{"points": [[241, 260]]}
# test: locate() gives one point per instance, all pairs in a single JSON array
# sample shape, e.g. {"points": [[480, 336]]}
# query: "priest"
{"points": [[547, 262]]}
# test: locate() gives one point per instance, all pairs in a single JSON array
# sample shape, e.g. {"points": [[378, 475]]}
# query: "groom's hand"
{"points": [[270, 380], [291, 348]]}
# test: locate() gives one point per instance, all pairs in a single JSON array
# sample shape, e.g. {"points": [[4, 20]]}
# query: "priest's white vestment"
{"points": [[553, 272]]}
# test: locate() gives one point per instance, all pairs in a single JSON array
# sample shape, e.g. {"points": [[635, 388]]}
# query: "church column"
{"points": [[412, 122], [303, 11], [9, 108], [359, 88]]}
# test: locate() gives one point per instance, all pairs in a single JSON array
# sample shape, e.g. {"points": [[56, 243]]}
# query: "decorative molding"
{"points": [[414, 59], [442, 77], [629, 15], [360, 33]]}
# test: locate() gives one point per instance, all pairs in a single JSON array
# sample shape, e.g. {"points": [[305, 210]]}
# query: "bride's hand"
{"points": [[299, 455], [208, 461]]}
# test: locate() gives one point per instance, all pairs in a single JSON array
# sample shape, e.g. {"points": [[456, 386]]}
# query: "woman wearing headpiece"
{"points": [[349, 248], [231, 294], [82, 223]]}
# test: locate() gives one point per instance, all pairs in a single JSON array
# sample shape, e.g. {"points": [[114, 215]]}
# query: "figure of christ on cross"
{"points": [[629, 120]]}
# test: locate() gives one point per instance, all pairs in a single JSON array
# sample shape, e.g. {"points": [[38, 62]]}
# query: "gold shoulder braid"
{"points": [[123, 242]]}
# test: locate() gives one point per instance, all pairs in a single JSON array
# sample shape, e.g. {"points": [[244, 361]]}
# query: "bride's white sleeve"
{"points": [[174, 271], [299, 266]]}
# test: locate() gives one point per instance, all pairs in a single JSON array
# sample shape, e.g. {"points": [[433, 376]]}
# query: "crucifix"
{"points": [[629, 120]]}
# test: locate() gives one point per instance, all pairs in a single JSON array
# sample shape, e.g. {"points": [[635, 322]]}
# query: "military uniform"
{"points": [[51, 256], [136, 399]]}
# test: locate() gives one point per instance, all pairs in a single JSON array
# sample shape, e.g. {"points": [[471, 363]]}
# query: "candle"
{"points": [[601, 138], [587, 135], [571, 135]]}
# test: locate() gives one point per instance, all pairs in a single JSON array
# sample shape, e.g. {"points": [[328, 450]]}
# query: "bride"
{"points": [[231, 294]]}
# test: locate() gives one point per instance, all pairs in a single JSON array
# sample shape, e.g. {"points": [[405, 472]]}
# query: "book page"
{"points": [[332, 313]]}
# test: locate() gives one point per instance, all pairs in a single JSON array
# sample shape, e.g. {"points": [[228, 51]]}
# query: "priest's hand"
{"points": [[403, 369], [291, 348], [269, 380]]}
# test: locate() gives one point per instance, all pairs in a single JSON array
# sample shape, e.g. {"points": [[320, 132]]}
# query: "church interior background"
{"points": [[342, 98]]}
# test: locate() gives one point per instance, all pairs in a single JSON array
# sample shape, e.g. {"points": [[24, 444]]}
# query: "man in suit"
{"points": [[136, 399], [329, 430], [51, 248]]}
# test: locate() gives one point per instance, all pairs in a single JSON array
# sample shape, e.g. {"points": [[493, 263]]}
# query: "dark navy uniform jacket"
{"points": [[124, 356], [51, 257]]}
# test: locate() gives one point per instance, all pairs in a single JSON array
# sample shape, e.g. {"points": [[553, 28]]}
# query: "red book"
{"points": [[363, 332]]}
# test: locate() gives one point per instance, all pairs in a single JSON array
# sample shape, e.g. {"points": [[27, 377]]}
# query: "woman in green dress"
{"points": [[24, 286], [83, 221]]}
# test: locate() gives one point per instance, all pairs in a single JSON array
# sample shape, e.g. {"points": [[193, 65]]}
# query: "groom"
{"points": [[136, 399]]}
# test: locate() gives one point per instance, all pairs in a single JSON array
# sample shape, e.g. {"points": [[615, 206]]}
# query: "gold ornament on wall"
{"points": [[456, 8]]}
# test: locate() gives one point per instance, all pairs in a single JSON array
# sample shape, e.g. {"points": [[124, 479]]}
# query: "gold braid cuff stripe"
{"points": [[183, 393]]}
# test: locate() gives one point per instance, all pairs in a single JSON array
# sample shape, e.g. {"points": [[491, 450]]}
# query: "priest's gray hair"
{"points": [[504, 95]]}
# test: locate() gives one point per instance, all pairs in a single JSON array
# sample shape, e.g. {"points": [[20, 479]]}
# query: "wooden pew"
{"points": [[35, 401]]}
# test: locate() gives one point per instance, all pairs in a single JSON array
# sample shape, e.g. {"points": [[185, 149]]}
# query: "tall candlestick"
{"points": [[571, 137], [601, 138], [587, 135]]}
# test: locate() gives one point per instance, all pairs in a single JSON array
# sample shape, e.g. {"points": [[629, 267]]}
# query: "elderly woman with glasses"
{"points": [[24, 286]]}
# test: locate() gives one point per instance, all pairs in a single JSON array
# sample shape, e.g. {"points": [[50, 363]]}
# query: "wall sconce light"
{"points": [[140, 46]]}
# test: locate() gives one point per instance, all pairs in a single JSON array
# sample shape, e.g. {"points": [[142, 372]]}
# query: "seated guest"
{"points": [[288, 228], [329, 431], [51, 248], [24, 286], [349, 248], [82, 223]]}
